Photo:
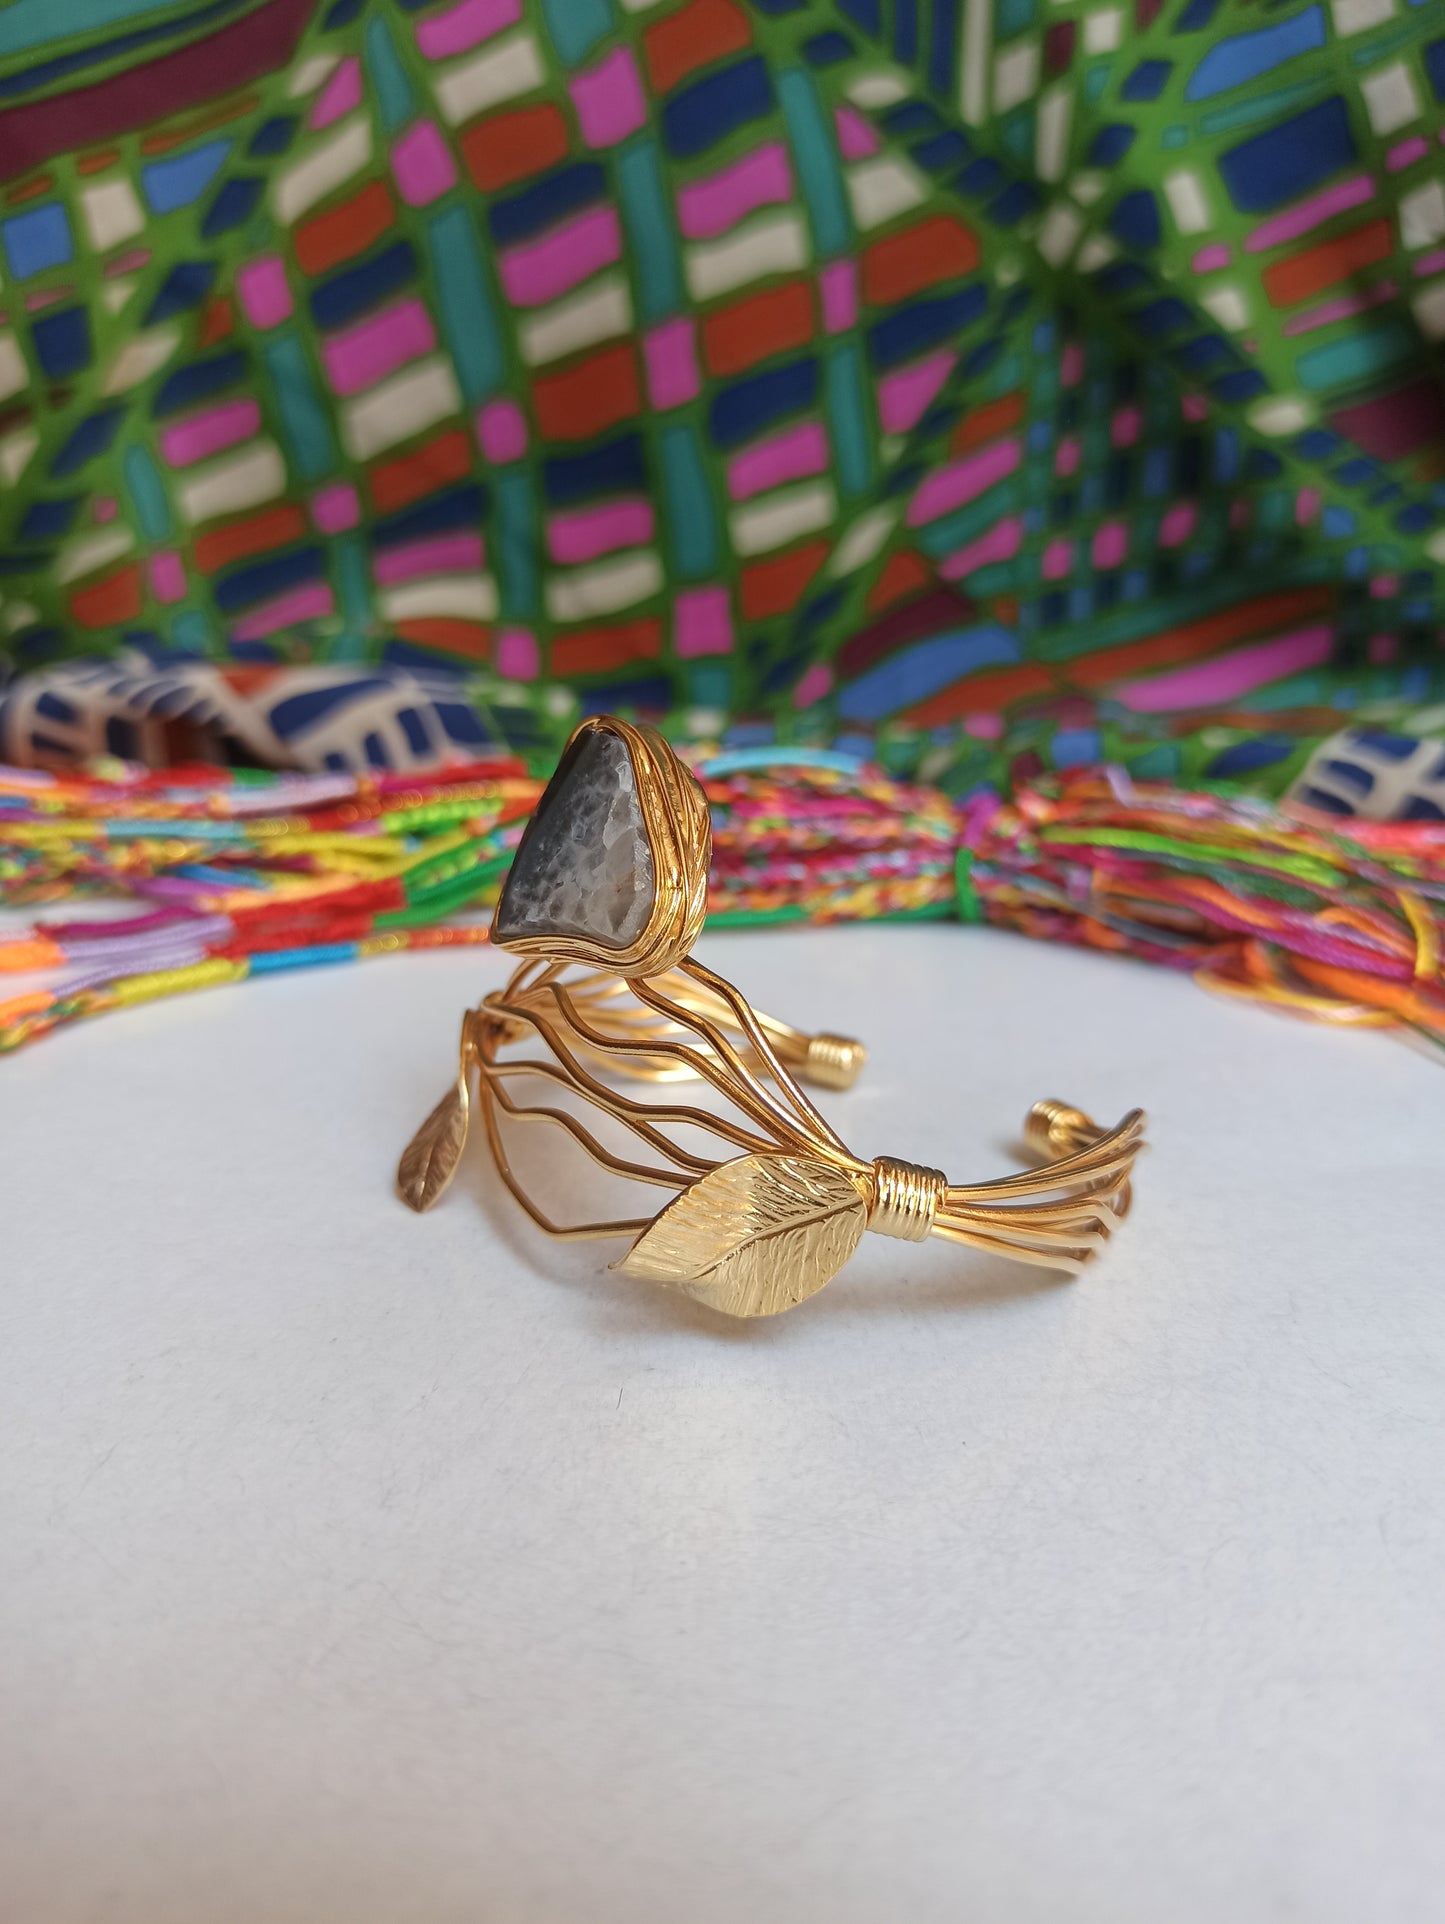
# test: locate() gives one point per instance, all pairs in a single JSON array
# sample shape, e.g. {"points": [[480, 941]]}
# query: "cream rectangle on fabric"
{"points": [[399, 407], [1186, 201], [767, 244], [18, 614], [14, 374], [239, 481], [862, 541], [782, 517], [112, 212], [140, 357], [1060, 232], [92, 551], [510, 67], [881, 188], [1052, 139], [15, 452], [310, 74], [468, 597], [599, 312], [325, 167], [603, 589], [873, 90], [1228, 306]]}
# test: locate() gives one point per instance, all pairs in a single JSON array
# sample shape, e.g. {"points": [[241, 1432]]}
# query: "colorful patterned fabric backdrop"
{"points": [[972, 377]]}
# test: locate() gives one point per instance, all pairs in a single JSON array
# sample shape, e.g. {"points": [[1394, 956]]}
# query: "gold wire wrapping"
{"points": [[906, 1196]]}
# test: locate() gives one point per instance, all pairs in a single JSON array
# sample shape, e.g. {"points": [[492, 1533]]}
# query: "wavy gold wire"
{"points": [[1060, 1215]]}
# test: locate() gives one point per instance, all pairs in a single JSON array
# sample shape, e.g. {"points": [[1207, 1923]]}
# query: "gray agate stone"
{"points": [[584, 867]]}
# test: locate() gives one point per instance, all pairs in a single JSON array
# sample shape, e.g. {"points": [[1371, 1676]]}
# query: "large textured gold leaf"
{"points": [[755, 1236], [430, 1159]]}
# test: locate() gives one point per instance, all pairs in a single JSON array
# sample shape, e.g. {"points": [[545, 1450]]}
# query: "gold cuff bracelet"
{"points": [[605, 899]]}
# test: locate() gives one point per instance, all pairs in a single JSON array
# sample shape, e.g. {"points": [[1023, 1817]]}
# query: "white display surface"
{"points": [[364, 1569]]}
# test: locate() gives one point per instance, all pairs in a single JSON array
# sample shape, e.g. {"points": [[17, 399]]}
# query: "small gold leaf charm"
{"points": [[430, 1159], [755, 1236]]}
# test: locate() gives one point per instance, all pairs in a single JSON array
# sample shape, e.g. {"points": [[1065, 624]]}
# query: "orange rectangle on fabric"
{"points": [[1261, 616], [348, 230], [29, 189], [258, 535], [981, 694], [902, 573], [592, 650], [396, 484], [107, 602], [216, 322], [748, 332], [589, 397], [986, 423], [446, 632], [511, 146], [935, 250], [694, 37], [775, 587], [1332, 261], [97, 163]]}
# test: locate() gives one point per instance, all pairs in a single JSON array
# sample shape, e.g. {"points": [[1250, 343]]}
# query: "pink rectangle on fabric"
{"points": [[787, 457], [1111, 544], [1306, 506], [310, 603], [702, 622], [341, 93], [335, 509], [516, 655], [1071, 364], [263, 290], [1308, 214], [856, 139], [1406, 154], [815, 684], [1429, 264], [1124, 428], [1211, 684], [593, 532], [1178, 524], [1339, 310], [903, 398], [502, 431], [1068, 454], [671, 355], [365, 354], [1001, 543], [964, 481], [1058, 559], [711, 206], [203, 434], [453, 554], [546, 268], [423, 164], [168, 576], [1210, 259], [465, 26], [838, 283], [609, 100]]}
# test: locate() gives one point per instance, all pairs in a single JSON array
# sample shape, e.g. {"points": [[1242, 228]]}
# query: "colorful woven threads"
{"points": [[244, 875], [1340, 922]]}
